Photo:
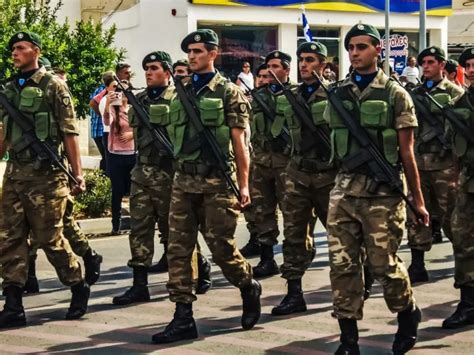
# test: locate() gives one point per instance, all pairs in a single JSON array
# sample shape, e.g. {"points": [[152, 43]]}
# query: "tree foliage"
{"points": [[84, 51]]}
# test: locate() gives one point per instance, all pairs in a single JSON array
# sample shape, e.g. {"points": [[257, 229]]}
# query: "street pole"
{"points": [[387, 37], [422, 26]]}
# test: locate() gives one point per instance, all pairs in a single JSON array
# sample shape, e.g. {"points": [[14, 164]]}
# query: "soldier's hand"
{"points": [[245, 197], [80, 187], [424, 215]]}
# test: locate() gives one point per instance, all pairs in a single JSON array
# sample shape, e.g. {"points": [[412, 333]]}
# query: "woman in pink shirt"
{"points": [[122, 154]]}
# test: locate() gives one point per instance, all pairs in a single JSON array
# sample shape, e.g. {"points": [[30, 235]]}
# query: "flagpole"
{"points": [[422, 26], [387, 37]]}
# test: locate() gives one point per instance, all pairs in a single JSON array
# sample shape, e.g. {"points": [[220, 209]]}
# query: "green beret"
{"points": [[436, 52], [361, 30], [467, 54], [25, 36], [43, 61], [183, 62], [157, 56], [451, 66], [278, 55], [312, 47], [200, 36]]}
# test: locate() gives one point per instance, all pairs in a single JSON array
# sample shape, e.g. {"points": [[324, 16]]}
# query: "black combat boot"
{"points": [[267, 265], [436, 231], [31, 285], [464, 314], [13, 314], [417, 270], [349, 337], [162, 264], [252, 248], [293, 302], [182, 327], [204, 281], [138, 292], [92, 262], [251, 307], [368, 282], [408, 321], [79, 300]]}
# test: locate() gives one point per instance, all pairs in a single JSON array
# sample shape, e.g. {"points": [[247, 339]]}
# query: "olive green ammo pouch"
{"points": [[442, 98]]}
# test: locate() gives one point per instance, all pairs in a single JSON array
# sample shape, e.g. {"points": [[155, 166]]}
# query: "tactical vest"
{"points": [[144, 141], [463, 149], [375, 115], [33, 103], [303, 150], [265, 133], [192, 153], [432, 146]]}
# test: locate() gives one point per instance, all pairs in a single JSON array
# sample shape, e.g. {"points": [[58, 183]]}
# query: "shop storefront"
{"points": [[248, 32]]}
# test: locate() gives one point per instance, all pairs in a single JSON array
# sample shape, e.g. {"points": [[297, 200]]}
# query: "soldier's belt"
{"points": [[275, 145], [194, 168], [430, 148], [159, 161], [312, 165]]}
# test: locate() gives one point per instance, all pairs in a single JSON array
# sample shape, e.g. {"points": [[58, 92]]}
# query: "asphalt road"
{"points": [[110, 329]]}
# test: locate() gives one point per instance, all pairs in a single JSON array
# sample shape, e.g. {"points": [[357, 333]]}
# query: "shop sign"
{"points": [[434, 7], [398, 51]]}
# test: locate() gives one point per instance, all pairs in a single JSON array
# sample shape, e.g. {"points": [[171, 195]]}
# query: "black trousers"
{"points": [[120, 167]]}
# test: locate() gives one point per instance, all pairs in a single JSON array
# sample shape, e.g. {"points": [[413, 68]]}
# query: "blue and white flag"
{"points": [[306, 30]]}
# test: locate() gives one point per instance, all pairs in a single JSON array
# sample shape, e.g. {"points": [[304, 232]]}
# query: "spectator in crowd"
{"points": [[124, 72], [410, 73], [121, 147], [329, 74], [245, 78], [98, 131], [451, 71]]}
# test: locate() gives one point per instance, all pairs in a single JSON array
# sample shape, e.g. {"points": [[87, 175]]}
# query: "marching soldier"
{"points": [[200, 197], [309, 176], [34, 191], [463, 215], [361, 213], [152, 178], [269, 160], [435, 161]]}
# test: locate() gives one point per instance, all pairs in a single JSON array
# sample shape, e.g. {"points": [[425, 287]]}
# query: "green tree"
{"points": [[85, 51]]}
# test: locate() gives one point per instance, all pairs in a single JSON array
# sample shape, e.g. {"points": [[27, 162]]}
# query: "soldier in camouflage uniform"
{"points": [[252, 248], [309, 177], [72, 232], [374, 220], [152, 178], [34, 192], [269, 159], [463, 215], [435, 162], [200, 198]]}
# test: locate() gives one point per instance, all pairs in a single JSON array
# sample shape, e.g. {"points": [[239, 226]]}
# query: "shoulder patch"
{"points": [[66, 100]]}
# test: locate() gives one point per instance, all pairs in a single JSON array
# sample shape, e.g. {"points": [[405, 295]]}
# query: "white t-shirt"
{"points": [[102, 110], [247, 79], [411, 73]]}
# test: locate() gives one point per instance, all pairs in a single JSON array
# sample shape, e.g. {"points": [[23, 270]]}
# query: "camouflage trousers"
{"points": [[72, 232], [266, 191], [304, 193], [376, 224], [36, 208], [149, 204], [215, 215], [463, 234], [439, 193]]}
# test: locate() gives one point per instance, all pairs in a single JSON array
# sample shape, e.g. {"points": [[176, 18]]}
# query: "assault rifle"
{"points": [[453, 118], [43, 149], [160, 139], [304, 115], [268, 111], [380, 169], [436, 130], [192, 111]]}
